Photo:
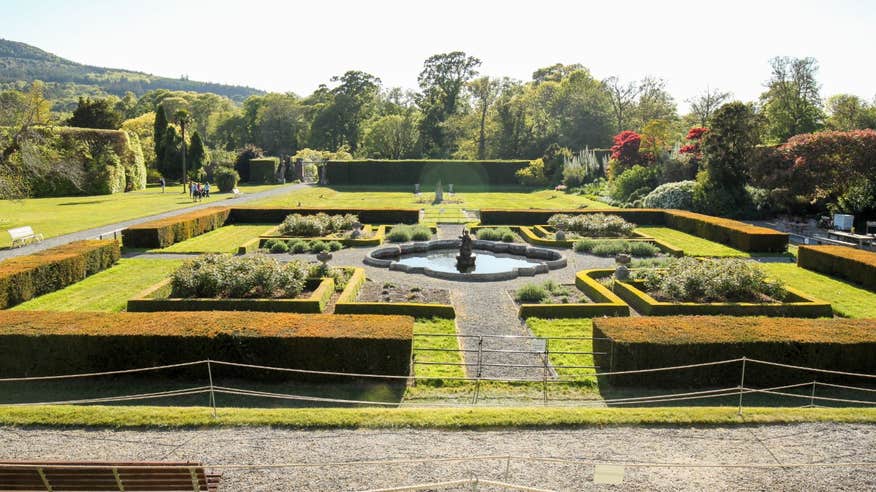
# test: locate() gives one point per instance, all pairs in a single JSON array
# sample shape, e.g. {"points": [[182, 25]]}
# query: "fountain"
{"points": [[465, 260]]}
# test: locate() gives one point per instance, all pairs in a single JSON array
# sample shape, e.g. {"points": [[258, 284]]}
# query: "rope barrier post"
{"points": [[480, 368], [741, 387], [544, 372], [413, 368], [507, 468], [212, 393], [812, 396]]}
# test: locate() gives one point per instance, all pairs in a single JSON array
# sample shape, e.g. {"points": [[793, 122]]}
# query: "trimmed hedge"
{"points": [[263, 170], [25, 277], [44, 343], [853, 264], [165, 232], [347, 303], [494, 216], [652, 342], [375, 239], [733, 233], [261, 215], [425, 172], [605, 302], [797, 304], [154, 299]]}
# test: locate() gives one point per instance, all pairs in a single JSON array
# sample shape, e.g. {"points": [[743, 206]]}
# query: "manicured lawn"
{"points": [[56, 216], [108, 290], [223, 240], [364, 197], [847, 299], [692, 245], [567, 328], [437, 418], [438, 326]]}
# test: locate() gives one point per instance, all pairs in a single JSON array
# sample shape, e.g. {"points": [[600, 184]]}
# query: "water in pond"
{"points": [[487, 262]]}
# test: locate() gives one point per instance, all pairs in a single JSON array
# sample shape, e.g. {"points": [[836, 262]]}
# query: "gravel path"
{"points": [[110, 228], [764, 444]]}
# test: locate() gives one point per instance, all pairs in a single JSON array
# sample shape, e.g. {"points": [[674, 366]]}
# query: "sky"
{"points": [[294, 46]]}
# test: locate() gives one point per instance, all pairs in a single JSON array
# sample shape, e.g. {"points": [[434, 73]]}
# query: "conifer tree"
{"points": [[159, 129]]}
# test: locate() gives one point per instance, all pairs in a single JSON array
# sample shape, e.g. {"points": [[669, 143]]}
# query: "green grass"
{"points": [[223, 240], [398, 197], [57, 216], [567, 328], [443, 418], [847, 299], [692, 245], [439, 326], [108, 290]]}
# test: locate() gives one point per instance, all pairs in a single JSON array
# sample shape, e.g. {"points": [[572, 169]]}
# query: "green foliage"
{"points": [[442, 80], [402, 233], [97, 113], [531, 294], [612, 247], [158, 130], [335, 246], [317, 225], [263, 169], [593, 225], [791, 103], [277, 246], [318, 246], [678, 195], [238, 277], [533, 175], [712, 280], [634, 183], [197, 153], [504, 234], [299, 246], [226, 179], [241, 164]]}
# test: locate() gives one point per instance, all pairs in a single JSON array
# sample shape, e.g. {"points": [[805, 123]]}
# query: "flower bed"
{"points": [[601, 300], [348, 303]]}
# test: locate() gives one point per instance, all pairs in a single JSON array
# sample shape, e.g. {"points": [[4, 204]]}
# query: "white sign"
{"points": [[608, 474]]}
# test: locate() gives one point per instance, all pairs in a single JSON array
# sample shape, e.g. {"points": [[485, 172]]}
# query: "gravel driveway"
{"points": [[765, 444]]}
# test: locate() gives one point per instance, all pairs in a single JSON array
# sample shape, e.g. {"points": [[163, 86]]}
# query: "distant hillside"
{"points": [[66, 80]]}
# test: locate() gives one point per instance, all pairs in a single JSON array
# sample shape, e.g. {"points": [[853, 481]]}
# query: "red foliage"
{"points": [[689, 149], [626, 147], [696, 133], [826, 163]]}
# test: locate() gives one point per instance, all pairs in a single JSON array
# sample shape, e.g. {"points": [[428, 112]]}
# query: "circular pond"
{"points": [[486, 262]]}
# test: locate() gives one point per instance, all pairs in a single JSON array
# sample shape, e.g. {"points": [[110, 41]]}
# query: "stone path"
{"points": [[110, 228], [742, 444]]}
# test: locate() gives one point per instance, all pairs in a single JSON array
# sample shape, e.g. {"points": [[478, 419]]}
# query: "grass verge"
{"points": [[226, 239], [563, 328], [846, 299], [692, 245], [422, 344]]}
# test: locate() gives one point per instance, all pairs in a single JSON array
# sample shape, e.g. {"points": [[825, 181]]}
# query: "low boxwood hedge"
{"points": [[265, 215], [733, 233], [165, 232], [43, 343], [856, 265], [627, 344], [25, 277], [494, 216], [426, 172], [347, 304]]}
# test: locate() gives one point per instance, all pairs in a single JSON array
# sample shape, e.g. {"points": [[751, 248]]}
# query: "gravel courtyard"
{"points": [[764, 444]]}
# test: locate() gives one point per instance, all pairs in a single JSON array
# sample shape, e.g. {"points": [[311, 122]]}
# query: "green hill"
{"points": [[21, 64]]}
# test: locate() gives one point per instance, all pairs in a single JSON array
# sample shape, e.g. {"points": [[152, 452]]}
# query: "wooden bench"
{"points": [[63, 476], [23, 235]]}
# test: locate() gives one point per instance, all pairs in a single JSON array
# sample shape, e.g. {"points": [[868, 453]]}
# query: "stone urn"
{"points": [[622, 272], [324, 257], [357, 230], [560, 235]]}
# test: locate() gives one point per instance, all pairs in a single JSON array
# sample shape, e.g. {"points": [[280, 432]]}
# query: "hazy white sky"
{"points": [[295, 46]]}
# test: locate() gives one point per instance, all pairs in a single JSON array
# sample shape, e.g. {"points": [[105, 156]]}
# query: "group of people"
{"points": [[199, 191]]}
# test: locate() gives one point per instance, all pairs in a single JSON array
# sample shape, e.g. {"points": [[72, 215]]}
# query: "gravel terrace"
{"points": [[763, 444]]}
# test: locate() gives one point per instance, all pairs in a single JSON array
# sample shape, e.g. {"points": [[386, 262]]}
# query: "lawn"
{"points": [[108, 290], [437, 326], [57, 216], [847, 299], [223, 240], [567, 328], [692, 245], [396, 197]]}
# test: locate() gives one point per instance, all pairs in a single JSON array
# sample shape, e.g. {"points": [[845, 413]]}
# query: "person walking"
{"points": [[162, 184], [207, 189]]}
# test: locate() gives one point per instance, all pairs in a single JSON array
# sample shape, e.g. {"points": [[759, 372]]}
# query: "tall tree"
{"points": [[441, 81], [792, 103], [339, 121], [484, 90], [655, 103], [705, 103], [848, 112], [158, 133], [197, 153], [97, 113], [622, 97]]}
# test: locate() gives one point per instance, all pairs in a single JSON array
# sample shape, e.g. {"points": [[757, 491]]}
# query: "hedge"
{"points": [[263, 170], [25, 277], [261, 215], [651, 342], [797, 304], [165, 232], [425, 172], [605, 302], [840, 261], [155, 299], [733, 233], [375, 239], [347, 304], [639, 216], [52, 343]]}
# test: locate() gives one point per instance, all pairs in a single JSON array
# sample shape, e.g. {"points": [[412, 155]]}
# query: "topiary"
{"points": [[318, 246], [299, 246], [226, 179], [279, 247], [335, 246]]}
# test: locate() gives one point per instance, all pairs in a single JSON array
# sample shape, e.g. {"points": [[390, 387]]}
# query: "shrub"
{"points": [[279, 247], [633, 183], [317, 225], [612, 247], [421, 233], [584, 245], [593, 225], [712, 280], [504, 234], [533, 175], [165, 232], [678, 195], [238, 277], [402, 233], [318, 246], [642, 249], [841, 261], [609, 248], [299, 246], [226, 179], [263, 169], [531, 294], [624, 151], [335, 246]]}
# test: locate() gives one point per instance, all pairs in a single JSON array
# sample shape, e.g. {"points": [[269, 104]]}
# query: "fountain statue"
{"points": [[465, 261], [439, 193]]}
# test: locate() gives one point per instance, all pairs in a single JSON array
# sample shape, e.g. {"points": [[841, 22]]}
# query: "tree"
{"points": [[168, 163], [484, 90], [97, 113], [704, 104], [279, 124], [847, 112], [791, 103], [158, 132], [555, 72], [391, 137], [655, 103], [623, 100], [182, 119], [442, 80], [197, 153], [241, 164]]}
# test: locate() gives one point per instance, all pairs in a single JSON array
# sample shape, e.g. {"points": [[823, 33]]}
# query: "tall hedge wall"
{"points": [[256, 215], [425, 172], [25, 277], [43, 343], [652, 342], [730, 232], [165, 232], [263, 169], [841, 261]]}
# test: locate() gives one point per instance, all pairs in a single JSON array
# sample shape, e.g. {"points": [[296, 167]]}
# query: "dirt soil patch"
{"points": [[392, 292]]}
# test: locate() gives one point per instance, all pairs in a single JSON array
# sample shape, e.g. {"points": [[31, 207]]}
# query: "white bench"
{"points": [[23, 235], [235, 193]]}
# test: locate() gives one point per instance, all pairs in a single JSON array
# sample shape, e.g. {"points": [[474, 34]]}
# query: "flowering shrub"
{"points": [[696, 133], [678, 195], [626, 147], [634, 183], [316, 225], [593, 225], [225, 276], [711, 280]]}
